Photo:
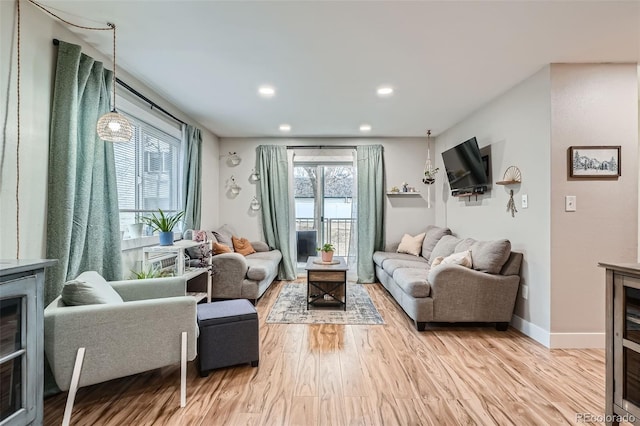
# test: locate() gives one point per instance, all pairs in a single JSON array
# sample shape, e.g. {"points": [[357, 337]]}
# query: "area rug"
{"points": [[291, 308]]}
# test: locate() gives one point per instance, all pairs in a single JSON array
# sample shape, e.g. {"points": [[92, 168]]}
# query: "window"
{"points": [[148, 172]]}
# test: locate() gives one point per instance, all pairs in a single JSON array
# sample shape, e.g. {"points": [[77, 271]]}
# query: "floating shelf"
{"points": [[404, 193], [511, 176], [508, 182]]}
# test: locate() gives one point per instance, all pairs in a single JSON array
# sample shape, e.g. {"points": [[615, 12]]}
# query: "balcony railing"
{"points": [[336, 231]]}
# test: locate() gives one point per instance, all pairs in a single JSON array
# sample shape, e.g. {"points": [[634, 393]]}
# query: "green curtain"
{"points": [[274, 193], [192, 180], [370, 172], [83, 222]]}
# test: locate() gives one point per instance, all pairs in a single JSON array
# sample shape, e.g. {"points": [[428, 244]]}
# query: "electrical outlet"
{"points": [[525, 292], [525, 201], [570, 203]]}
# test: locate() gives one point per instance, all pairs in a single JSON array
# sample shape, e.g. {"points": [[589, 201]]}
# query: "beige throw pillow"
{"points": [[463, 259], [411, 245]]}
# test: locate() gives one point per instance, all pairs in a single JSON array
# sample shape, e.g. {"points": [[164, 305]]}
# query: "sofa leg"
{"points": [[420, 326], [254, 363], [502, 326]]}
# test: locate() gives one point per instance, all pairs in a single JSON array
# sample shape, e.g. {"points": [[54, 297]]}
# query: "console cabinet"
{"points": [[622, 391]]}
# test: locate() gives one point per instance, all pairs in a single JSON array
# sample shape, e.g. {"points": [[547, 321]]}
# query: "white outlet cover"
{"points": [[525, 201], [570, 203]]}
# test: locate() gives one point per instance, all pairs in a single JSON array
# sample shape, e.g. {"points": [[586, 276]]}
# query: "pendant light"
{"points": [[113, 126]]}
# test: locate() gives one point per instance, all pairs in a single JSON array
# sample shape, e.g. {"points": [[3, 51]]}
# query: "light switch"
{"points": [[570, 203], [525, 201]]}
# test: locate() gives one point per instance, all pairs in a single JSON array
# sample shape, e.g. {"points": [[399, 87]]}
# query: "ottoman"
{"points": [[228, 334]]}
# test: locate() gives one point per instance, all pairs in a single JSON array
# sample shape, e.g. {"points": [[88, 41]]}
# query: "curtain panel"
{"points": [[276, 207], [83, 222], [370, 208], [192, 176]]}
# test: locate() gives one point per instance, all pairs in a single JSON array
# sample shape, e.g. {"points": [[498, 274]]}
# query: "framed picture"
{"points": [[594, 162]]}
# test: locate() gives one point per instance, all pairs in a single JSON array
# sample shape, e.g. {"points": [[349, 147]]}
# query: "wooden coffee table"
{"points": [[326, 283]]}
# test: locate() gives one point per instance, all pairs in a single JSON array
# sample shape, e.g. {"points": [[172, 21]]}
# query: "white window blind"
{"points": [[148, 172]]}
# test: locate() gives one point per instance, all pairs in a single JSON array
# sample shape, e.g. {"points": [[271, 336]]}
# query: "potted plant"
{"points": [[164, 224], [327, 252], [430, 176]]}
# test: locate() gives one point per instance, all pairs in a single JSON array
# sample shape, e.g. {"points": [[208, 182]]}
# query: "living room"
{"points": [[567, 101]]}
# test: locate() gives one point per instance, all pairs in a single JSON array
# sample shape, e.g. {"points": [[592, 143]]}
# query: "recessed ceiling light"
{"points": [[266, 91], [365, 127], [285, 127], [385, 91]]}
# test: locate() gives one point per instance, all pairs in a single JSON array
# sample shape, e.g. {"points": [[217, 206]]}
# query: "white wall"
{"points": [[404, 160], [591, 104], [38, 64], [517, 126]]}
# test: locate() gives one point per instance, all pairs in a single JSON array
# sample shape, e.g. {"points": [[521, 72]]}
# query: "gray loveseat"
{"points": [[452, 293], [235, 276]]}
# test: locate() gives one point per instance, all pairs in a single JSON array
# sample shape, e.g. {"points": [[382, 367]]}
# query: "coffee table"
{"points": [[326, 283]]}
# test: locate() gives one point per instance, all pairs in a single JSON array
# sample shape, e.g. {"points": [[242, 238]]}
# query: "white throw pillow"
{"points": [[463, 259], [411, 245], [89, 288]]}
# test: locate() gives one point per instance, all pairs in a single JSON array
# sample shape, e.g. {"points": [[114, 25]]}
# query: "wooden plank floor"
{"points": [[361, 375]]}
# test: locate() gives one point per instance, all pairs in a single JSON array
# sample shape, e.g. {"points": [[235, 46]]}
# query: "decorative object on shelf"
{"points": [[511, 176], [255, 204], [327, 252], [594, 162], [135, 230], [405, 187], [430, 172], [114, 127], [233, 186], [254, 176], [511, 205], [164, 224], [394, 189], [233, 159]]}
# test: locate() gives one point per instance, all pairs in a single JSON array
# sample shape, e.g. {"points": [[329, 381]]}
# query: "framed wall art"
{"points": [[594, 162]]}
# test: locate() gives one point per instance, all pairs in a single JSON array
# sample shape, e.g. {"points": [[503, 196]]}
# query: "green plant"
{"points": [[150, 273], [162, 222], [327, 247]]}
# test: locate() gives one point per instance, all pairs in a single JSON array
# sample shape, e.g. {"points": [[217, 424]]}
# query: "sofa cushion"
{"points": [[433, 234], [411, 245], [489, 256], [262, 264], [463, 259], [242, 246], [444, 247], [413, 281], [89, 288], [224, 234], [391, 265], [260, 246], [464, 245], [380, 257], [219, 248]]}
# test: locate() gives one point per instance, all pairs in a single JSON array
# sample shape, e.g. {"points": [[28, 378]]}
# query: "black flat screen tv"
{"points": [[465, 167]]}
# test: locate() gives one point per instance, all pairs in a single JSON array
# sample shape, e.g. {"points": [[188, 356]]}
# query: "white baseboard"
{"points": [[558, 340], [537, 333]]}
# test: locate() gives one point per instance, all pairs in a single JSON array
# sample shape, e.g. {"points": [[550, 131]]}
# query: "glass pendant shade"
{"points": [[255, 204], [114, 127]]}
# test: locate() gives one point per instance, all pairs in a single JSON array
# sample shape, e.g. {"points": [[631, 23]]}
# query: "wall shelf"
{"points": [[404, 193], [508, 182]]}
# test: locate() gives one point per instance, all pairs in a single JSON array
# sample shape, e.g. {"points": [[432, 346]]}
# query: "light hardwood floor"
{"points": [[362, 375]]}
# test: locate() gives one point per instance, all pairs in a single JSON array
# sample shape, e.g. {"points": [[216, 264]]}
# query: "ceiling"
{"points": [[444, 59]]}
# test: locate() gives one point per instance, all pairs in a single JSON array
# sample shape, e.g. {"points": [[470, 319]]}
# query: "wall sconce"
{"points": [[233, 186], [233, 159], [254, 176], [255, 204]]}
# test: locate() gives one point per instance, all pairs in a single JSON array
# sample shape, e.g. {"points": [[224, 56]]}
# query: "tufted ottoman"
{"points": [[228, 334]]}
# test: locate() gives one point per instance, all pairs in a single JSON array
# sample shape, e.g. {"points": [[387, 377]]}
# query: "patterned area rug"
{"points": [[291, 308]]}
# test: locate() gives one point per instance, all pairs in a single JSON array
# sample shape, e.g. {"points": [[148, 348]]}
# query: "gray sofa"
{"points": [[452, 293], [235, 276]]}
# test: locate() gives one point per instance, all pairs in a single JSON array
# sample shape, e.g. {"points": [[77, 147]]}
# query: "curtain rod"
{"points": [[321, 146], [138, 94]]}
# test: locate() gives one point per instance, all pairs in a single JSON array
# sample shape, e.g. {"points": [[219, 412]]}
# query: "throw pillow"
{"points": [[89, 288], [463, 259], [490, 256], [411, 245], [223, 238], [444, 248], [242, 246], [433, 234], [219, 248]]}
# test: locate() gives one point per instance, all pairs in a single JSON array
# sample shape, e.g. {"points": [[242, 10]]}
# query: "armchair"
{"points": [[141, 333]]}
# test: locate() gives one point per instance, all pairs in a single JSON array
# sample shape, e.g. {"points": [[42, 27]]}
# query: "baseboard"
{"points": [[577, 340], [537, 333], [559, 340]]}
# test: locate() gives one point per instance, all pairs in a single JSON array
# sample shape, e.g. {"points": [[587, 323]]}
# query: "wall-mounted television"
{"points": [[467, 169]]}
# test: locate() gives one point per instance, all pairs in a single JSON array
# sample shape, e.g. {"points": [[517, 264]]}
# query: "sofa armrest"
{"points": [[150, 288], [227, 273], [463, 294], [260, 246], [120, 339]]}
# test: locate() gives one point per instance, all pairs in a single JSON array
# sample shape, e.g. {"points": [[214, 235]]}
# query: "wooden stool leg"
{"points": [[75, 378]]}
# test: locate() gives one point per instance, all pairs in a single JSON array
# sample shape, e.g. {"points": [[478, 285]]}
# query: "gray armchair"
{"points": [[141, 333]]}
